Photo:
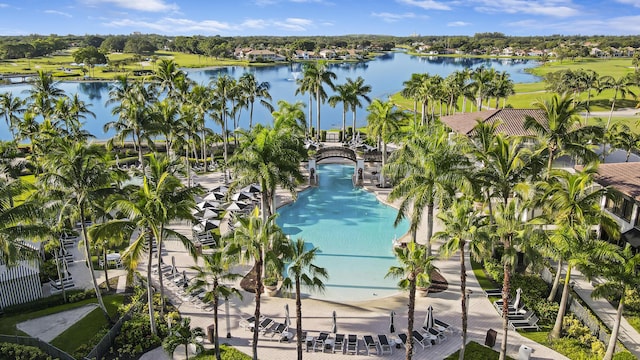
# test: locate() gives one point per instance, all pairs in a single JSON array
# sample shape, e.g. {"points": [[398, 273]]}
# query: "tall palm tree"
{"points": [[75, 176], [621, 86], [271, 157], [315, 76], [359, 90], [43, 93], [561, 130], [411, 91], [382, 122], [414, 271], [253, 239], [132, 105], [165, 114], [343, 95], [210, 278], [255, 91], [427, 169], [166, 75], [302, 272], [574, 205], [503, 87], [621, 277], [591, 80], [481, 79], [182, 334], [222, 90], [10, 107], [160, 199], [463, 225]]}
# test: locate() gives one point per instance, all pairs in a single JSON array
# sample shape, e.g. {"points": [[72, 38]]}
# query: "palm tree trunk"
{"points": [[613, 105], [160, 241], [506, 289], [556, 282], [429, 229], [310, 113], [353, 127], [318, 114], [463, 302], [344, 124], [256, 314], [106, 274], [251, 116], [140, 157], [410, 316], [87, 254], [298, 319], [64, 291], [224, 145], [611, 347], [415, 113], [152, 320], [464, 103], [216, 334], [557, 327]]}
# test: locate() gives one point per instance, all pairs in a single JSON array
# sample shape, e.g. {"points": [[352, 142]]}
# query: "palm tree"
{"points": [[344, 96], [43, 93], [160, 199], [132, 105], [481, 79], [302, 272], [426, 169], [414, 271], [621, 278], [10, 106], [165, 114], [621, 86], [17, 222], [463, 225], [166, 75], [255, 91], [315, 75], [382, 122], [591, 80], [411, 91], [216, 269], [561, 130], [221, 93], [359, 90], [75, 176], [574, 205], [271, 157], [253, 239], [503, 87], [181, 333]]}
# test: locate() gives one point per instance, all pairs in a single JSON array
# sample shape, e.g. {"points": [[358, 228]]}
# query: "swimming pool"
{"points": [[353, 231]]}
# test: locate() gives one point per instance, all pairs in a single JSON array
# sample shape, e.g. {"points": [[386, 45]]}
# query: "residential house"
{"points": [[267, 55]]}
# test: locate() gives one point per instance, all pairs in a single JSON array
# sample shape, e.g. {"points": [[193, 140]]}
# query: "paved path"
{"points": [[607, 313], [361, 318], [47, 328]]}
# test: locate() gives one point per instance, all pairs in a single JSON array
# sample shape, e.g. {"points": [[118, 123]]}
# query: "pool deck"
{"points": [[361, 318]]}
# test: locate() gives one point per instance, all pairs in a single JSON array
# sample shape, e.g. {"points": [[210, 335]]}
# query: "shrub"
{"points": [[495, 270], [323, 135], [135, 337], [475, 351], [226, 353], [547, 311], [50, 301], [9, 351], [572, 328], [624, 355]]}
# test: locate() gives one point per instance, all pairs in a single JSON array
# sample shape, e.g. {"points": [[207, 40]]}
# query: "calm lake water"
{"points": [[385, 75]]}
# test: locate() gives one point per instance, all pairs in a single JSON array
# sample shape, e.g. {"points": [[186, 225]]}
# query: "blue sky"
{"points": [[320, 17]]}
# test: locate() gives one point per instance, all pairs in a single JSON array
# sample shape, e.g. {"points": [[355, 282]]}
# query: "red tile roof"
{"points": [[512, 120]]}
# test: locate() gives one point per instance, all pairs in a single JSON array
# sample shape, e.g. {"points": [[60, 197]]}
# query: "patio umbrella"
{"points": [[253, 188], [242, 196], [214, 196], [334, 328], [221, 189], [237, 206], [428, 322], [287, 320], [208, 214], [516, 302], [392, 327], [208, 204]]}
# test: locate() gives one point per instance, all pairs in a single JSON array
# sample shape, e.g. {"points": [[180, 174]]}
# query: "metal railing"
{"points": [[47, 348]]}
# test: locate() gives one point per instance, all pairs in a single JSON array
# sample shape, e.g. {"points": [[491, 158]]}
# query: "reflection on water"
{"points": [[385, 75]]}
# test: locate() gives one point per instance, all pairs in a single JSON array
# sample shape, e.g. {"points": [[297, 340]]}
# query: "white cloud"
{"points": [[426, 4], [390, 17], [173, 26], [634, 3], [458, 23], [555, 8], [56, 12], [3, 5], [254, 24], [293, 24], [140, 5]]}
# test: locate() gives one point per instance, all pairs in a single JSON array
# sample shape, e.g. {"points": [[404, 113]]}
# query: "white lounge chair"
{"points": [[383, 343]]}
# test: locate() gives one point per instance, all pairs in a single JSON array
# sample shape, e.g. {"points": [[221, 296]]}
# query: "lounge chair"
{"points": [[265, 323], [521, 316], [443, 326], [531, 324], [338, 343], [433, 334], [421, 340], [276, 329], [369, 344], [385, 347], [352, 344], [318, 343], [403, 338], [493, 292]]}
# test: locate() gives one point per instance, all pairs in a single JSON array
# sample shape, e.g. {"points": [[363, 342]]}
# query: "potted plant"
{"points": [[270, 285]]}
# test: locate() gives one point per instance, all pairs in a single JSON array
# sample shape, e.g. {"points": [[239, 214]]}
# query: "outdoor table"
{"points": [[113, 259]]}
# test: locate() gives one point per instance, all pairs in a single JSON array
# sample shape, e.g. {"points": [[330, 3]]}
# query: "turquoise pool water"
{"points": [[353, 231]]}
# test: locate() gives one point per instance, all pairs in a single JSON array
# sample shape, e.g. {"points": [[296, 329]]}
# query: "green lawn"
{"points": [[84, 330], [613, 67], [475, 351], [8, 323]]}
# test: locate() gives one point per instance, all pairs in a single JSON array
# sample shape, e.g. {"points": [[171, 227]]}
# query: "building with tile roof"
{"points": [[511, 120]]}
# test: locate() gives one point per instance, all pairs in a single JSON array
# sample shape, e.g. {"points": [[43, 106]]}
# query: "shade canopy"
{"points": [[334, 328], [428, 321], [392, 327]]}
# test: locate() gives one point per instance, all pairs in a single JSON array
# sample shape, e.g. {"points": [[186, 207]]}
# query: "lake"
{"points": [[385, 75]]}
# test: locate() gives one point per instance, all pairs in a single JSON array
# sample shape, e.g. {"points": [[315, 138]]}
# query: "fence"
{"points": [[589, 320], [102, 348], [51, 350]]}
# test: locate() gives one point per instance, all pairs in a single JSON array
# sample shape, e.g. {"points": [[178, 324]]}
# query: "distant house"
{"points": [[625, 178], [511, 120], [267, 55], [327, 54]]}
